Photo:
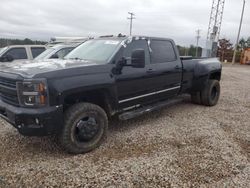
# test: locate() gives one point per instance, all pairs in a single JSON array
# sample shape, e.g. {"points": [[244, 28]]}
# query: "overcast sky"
{"points": [[177, 19]]}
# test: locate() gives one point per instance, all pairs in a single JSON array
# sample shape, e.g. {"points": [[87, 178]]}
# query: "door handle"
{"points": [[149, 71], [177, 67]]}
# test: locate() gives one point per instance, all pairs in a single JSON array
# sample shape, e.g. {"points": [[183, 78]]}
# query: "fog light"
{"points": [[37, 121]]}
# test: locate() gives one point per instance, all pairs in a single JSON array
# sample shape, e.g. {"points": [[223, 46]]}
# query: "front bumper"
{"points": [[33, 122]]}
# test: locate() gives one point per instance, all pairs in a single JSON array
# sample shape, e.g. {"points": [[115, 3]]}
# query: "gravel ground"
{"points": [[182, 146]]}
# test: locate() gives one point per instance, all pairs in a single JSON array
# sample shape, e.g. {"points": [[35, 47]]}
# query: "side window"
{"points": [[137, 44], [63, 52], [37, 51], [162, 51], [17, 53]]}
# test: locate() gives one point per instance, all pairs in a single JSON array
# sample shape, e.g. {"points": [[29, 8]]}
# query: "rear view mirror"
{"points": [[138, 58]]}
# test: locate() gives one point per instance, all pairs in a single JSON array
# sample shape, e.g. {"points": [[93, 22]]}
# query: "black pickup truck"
{"points": [[109, 76]]}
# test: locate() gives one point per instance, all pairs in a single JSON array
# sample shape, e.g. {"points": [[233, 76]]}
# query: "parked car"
{"points": [[20, 52], [56, 52], [102, 78]]}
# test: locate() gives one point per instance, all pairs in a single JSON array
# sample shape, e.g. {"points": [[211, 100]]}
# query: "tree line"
{"points": [[226, 49], [6, 42], [184, 51], [244, 43]]}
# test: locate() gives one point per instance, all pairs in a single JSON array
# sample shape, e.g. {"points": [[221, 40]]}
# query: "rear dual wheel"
{"points": [[209, 96]]}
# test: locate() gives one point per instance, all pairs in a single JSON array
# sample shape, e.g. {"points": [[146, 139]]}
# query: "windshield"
{"points": [[3, 49], [45, 54], [96, 50]]}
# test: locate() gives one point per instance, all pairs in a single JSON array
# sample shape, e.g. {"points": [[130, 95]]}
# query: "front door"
{"points": [[132, 83]]}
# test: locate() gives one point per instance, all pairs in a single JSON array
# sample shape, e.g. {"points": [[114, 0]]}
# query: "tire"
{"points": [[85, 128], [211, 93], [196, 98]]}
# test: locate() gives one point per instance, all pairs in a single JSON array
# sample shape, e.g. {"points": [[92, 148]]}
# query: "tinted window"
{"points": [[162, 51], [63, 52], [137, 44], [17, 53], [37, 51], [45, 54]]}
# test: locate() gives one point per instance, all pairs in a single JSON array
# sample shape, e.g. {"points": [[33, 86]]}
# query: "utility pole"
{"points": [[131, 21], [238, 37], [198, 36]]}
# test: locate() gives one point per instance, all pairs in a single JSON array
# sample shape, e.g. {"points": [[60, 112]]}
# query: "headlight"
{"points": [[33, 93]]}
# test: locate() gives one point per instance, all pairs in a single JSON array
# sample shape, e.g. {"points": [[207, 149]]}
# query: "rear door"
{"points": [[166, 67], [35, 51]]}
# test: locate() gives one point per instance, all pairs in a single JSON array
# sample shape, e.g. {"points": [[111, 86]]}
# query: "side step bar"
{"points": [[149, 108]]}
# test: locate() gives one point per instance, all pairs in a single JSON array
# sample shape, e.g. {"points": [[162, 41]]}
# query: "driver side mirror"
{"points": [[54, 56], [6, 58], [137, 61], [138, 58]]}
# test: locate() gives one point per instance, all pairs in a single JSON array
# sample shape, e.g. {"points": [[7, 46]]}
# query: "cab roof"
{"points": [[124, 37]]}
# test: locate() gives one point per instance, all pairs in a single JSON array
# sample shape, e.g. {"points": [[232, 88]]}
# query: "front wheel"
{"points": [[85, 127], [211, 93]]}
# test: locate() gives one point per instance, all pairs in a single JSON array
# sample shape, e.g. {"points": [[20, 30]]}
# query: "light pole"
{"points": [[131, 22], [238, 37]]}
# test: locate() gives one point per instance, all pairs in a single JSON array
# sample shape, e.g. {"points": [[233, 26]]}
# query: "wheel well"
{"points": [[99, 98], [215, 76]]}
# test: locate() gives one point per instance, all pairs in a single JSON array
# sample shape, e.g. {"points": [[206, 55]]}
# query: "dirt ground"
{"points": [[183, 146]]}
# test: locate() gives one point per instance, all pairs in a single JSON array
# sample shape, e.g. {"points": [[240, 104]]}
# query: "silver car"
{"points": [[57, 51]]}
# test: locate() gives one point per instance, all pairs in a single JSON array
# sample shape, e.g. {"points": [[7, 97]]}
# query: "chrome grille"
{"points": [[8, 91]]}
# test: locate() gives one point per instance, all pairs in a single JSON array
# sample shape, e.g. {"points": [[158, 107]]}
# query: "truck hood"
{"points": [[31, 68]]}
